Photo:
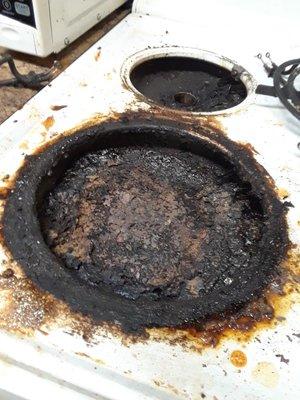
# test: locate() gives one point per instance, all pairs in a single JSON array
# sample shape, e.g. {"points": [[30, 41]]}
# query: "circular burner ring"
{"points": [[219, 85], [24, 238]]}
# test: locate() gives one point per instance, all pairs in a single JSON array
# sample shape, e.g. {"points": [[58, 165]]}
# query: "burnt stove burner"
{"points": [[146, 225], [188, 84]]}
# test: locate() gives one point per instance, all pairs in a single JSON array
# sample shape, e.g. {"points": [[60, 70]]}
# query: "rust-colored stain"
{"points": [[238, 359], [266, 374], [57, 108], [49, 122], [97, 55], [4, 192]]}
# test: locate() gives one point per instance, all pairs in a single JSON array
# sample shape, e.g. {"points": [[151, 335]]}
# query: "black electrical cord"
{"points": [[285, 90], [31, 80], [284, 77]]}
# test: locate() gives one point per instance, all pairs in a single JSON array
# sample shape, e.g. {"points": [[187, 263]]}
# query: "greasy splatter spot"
{"points": [[8, 273], [97, 55], [5, 178], [283, 193], [57, 108], [167, 386], [4, 192], [96, 360], [49, 122], [266, 374], [238, 359], [24, 145]]}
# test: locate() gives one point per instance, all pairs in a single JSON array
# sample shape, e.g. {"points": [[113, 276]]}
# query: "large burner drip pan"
{"points": [[146, 224]]}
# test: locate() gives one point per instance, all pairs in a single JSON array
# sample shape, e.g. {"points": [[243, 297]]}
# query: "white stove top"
{"points": [[38, 356]]}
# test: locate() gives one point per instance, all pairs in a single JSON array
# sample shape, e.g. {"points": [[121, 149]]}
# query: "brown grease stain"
{"points": [[282, 193], [97, 55], [57, 108], [24, 146], [4, 192], [49, 122], [5, 178], [43, 134], [96, 360], [238, 359], [167, 386]]}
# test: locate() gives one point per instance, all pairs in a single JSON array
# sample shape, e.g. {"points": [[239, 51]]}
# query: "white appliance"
{"points": [[41, 27], [49, 357]]}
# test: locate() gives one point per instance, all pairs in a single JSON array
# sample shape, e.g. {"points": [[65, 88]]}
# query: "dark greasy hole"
{"points": [[188, 83], [186, 99]]}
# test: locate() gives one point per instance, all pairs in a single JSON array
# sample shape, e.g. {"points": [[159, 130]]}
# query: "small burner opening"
{"points": [[186, 99], [188, 84]]}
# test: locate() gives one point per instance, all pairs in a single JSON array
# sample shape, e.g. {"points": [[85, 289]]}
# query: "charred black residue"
{"points": [[153, 222], [188, 84], [149, 224]]}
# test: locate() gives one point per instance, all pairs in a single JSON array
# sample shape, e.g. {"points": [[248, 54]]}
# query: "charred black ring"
{"points": [[23, 236]]}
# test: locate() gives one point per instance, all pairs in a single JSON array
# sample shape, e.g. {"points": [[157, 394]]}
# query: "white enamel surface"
{"points": [[91, 88]]}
